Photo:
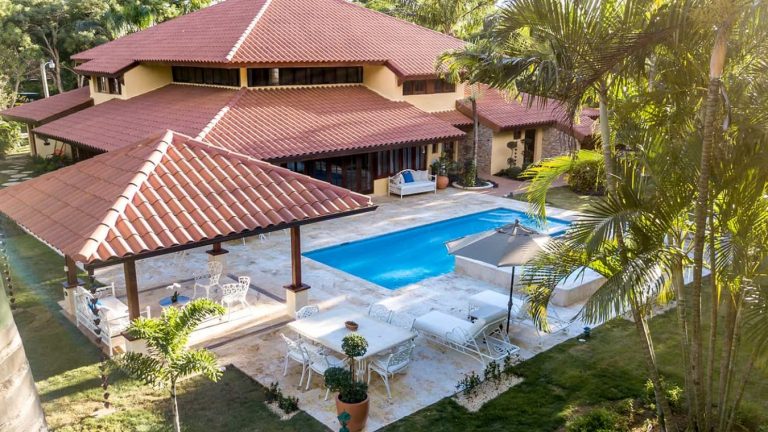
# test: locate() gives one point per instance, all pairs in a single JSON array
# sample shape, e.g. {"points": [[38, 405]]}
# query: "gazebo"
{"points": [[166, 194]]}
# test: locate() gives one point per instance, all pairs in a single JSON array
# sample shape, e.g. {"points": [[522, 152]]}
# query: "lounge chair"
{"points": [[492, 303], [481, 340]]}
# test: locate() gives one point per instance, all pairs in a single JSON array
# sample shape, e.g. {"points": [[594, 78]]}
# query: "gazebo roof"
{"points": [[169, 191]]}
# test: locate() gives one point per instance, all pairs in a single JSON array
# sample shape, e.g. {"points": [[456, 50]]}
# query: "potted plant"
{"points": [[353, 394], [439, 170]]}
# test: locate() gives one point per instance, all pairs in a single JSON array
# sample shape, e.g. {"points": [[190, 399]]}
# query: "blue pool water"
{"points": [[403, 257]]}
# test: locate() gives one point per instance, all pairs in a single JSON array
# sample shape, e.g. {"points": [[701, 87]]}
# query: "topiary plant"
{"points": [[343, 380]]}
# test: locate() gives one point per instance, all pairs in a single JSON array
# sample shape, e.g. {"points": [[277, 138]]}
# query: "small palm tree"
{"points": [[169, 359]]}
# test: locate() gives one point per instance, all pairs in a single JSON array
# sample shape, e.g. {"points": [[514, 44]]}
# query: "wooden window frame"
{"points": [[224, 77]]}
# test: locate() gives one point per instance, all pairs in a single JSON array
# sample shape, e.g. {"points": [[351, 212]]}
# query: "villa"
{"points": [[324, 87]]}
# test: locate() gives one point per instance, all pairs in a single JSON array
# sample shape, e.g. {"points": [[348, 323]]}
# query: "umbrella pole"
{"points": [[509, 305]]}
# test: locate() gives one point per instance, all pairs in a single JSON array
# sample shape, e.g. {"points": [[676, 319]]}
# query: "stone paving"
{"points": [[250, 340]]}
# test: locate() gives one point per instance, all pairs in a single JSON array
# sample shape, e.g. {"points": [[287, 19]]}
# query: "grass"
{"points": [[563, 197], [65, 365]]}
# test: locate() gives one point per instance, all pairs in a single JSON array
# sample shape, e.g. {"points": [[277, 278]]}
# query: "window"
{"points": [[108, 85], [416, 87], [390, 162], [210, 76], [258, 77]]}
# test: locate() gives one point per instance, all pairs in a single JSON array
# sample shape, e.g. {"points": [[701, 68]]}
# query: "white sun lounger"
{"points": [[491, 303], [466, 337]]}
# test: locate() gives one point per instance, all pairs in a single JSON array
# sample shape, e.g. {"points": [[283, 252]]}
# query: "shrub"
{"points": [[598, 420], [272, 393], [492, 373], [41, 165], [512, 172], [469, 176], [673, 393], [587, 178], [288, 404], [10, 135], [468, 385]]}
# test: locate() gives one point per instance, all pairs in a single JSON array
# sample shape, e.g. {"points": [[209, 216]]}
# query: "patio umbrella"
{"points": [[509, 246]]}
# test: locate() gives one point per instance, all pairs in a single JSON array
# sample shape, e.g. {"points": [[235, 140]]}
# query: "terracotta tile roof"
{"points": [[207, 35], [285, 123], [454, 117], [43, 110], [166, 191], [267, 124], [501, 112], [278, 31], [118, 123]]}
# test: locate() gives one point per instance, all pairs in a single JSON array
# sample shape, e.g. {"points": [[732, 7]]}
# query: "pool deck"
{"points": [[251, 339]]}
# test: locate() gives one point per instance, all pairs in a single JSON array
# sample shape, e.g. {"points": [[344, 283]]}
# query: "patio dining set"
{"points": [[318, 344]]}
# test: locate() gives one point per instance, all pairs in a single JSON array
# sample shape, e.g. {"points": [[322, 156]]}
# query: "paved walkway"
{"points": [[509, 186]]}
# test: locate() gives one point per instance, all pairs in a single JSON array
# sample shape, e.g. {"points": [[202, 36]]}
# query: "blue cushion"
{"points": [[407, 177]]}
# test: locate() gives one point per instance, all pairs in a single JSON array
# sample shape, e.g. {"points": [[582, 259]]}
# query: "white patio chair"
{"points": [[402, 320], [307, 311], [388, 365], [379, 312], [208, 280], [319, 362], [297, 353], [232, 293]]}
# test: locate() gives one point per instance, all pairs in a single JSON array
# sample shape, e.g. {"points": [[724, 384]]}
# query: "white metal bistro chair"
{"points": [[232, 293], [307, 311], [208, 280], [387, 366], [379, 312], [298, 354], [402, 320], [319, 362]]}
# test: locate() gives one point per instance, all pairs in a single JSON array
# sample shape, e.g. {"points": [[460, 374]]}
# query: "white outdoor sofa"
{"points": [[422, 182], [112, 314], [482, 340]]}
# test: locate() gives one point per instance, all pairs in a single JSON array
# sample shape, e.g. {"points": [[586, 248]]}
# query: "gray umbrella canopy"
{"points": [[510, 245]]}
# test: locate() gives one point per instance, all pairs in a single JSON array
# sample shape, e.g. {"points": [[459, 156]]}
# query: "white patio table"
{"points": [[328, 329]]}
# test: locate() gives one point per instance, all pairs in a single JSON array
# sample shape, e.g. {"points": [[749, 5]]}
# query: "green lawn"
{"points": [[563, 197], [65, 366]]}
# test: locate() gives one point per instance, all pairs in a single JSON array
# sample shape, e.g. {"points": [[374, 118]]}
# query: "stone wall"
{"points": [[484, 149], [556, 143]]}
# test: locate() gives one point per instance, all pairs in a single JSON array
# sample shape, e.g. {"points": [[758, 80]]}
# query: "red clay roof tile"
{"points": [[44, 110], [120, 218], [277, 31], [266, 124]]}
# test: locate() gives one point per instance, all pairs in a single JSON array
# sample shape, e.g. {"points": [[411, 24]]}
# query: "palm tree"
{"points": [[458, 18], [21, 405], [169, 359]]}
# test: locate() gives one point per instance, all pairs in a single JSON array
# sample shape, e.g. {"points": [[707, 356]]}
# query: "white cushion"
{"points": [[420, 176], [440, 324]]}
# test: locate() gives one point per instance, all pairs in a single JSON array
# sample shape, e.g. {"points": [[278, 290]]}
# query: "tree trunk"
{"points": [[717, 63], [649, 355], [21, 409], [605, 138], [475, 130], [176, 421], [682, 309], [727, 358], [715, 303]]}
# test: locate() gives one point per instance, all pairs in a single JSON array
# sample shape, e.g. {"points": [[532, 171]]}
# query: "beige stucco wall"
{"points": [[136, 81], [380, 187], [500, 152], [383, 81]]}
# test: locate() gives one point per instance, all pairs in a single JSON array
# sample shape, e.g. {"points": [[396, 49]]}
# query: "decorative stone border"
{"points": [[487, 185], [486, 391]]}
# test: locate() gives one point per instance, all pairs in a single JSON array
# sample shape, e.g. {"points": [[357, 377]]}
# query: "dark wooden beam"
{"points": [[72, 280], [223, 239], [131, 289], [296, 257]]}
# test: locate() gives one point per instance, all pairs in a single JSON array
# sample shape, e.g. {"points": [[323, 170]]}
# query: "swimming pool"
{"points": [[403, 257]]}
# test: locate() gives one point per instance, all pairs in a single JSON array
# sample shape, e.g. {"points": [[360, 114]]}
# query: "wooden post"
{"points": [[131, 289], [32, 141], [71, 270], [296, 294], [296, 257]]}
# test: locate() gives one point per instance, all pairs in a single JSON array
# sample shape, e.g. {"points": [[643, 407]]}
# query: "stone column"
{"points": [[71, 284]]}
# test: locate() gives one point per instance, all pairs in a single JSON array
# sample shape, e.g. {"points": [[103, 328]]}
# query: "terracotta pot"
{"points": [[442, 182], [358, 411]]}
